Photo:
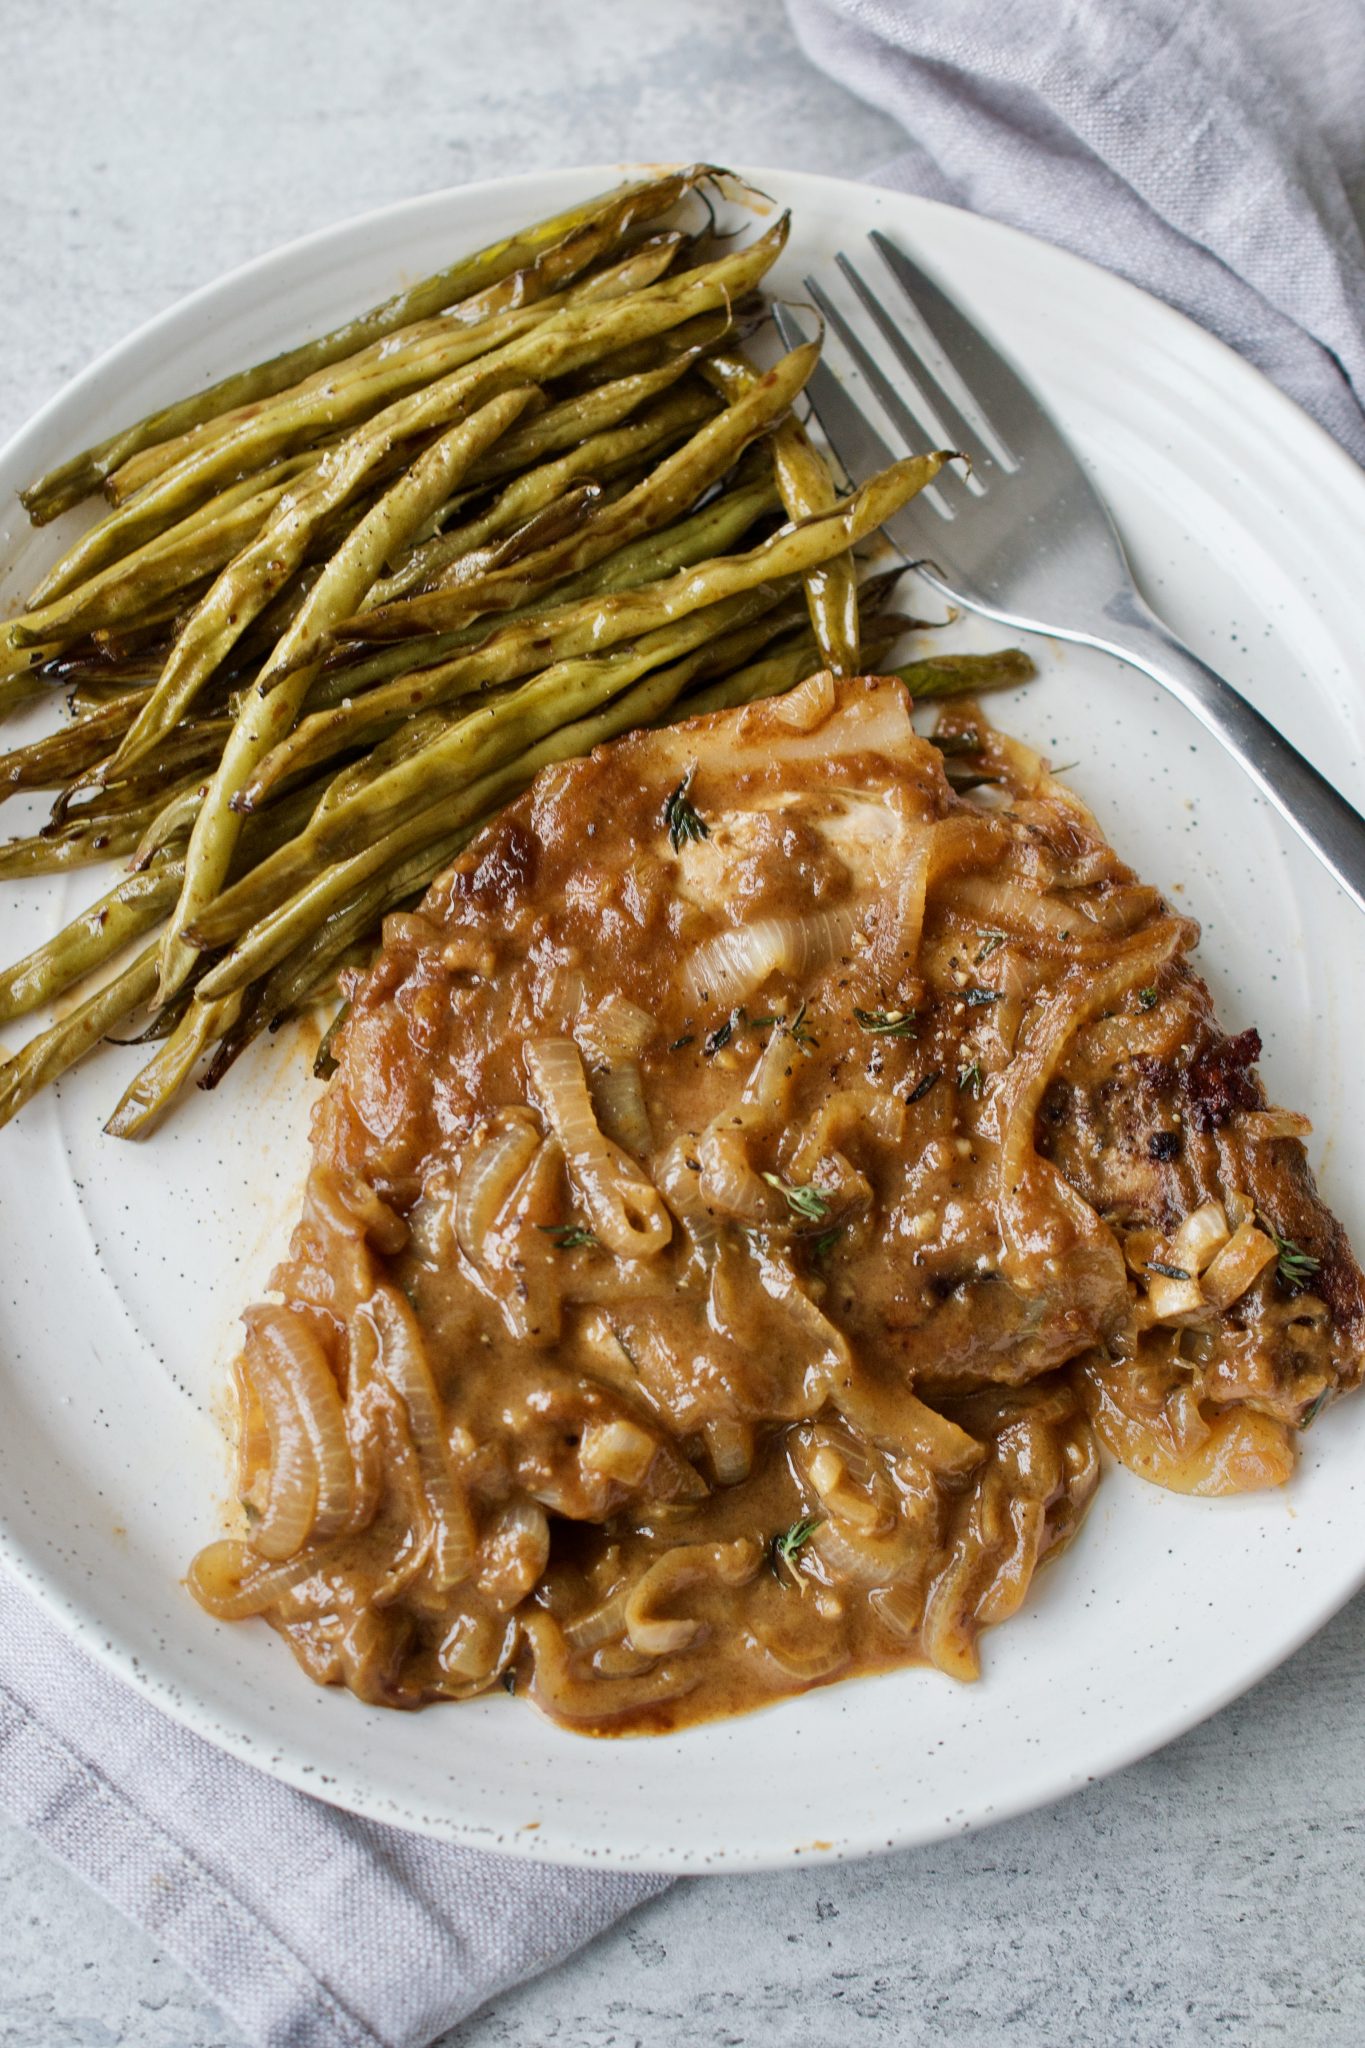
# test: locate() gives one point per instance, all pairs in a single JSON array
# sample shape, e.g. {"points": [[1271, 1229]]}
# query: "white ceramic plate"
{"points": [[125, 1266]]}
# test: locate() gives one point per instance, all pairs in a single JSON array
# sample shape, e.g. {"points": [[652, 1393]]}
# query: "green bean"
{"points": [[717, 526], [666, 492], [784, 665], [963, 675], [273, 704], [49, 762], [128, 590], [806, 486], [619, 615], [601, 456], [103, 835], [125, 912], [345, 397], [563, 339], [254, 576], [620, 211], [55, 1050], [583, 414], [154, 1088]]}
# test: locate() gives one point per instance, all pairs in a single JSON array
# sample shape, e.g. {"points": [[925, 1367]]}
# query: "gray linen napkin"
{"points": [[312, 1928], [1205, 149]]}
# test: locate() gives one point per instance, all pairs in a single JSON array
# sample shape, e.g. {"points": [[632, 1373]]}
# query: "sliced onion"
{"points": [[292, 1490], [690, 1564], [513, 1552], [282, 1343], [806, 708], [624, 1207], [806, 1658], [1203, 1233], [1237, 1266], [864, 1558], [1265, 1124], [601, 1624], [900, 1608], [622, 1112], [619, 1450], [403, 1360], [617, 1029], [728, 1182], [735, 962], [228, 1580], [681, 1185], [571, 1698], [489, 1172], [730, 1447]]}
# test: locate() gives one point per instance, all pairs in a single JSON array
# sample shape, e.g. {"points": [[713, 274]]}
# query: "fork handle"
{"points": [[1305, 799]]}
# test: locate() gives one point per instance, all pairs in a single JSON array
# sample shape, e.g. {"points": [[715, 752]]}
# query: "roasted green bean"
{"points": [[618, 212]]}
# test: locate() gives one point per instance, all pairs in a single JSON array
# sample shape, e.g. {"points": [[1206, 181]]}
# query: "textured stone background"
{"points": [[1210, 1894]]}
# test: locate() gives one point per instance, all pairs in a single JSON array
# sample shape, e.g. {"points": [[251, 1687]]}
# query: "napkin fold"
{"points": [[312, 1928], [1202, 149]]}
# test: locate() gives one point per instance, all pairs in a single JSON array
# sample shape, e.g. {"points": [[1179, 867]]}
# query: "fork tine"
{"points": [[850, 433], [893, 404], [983, 370], [960, 430], [854, 439]]}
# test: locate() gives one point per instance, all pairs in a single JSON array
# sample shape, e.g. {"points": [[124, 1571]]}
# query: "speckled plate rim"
{"points": [[1340, 488]]}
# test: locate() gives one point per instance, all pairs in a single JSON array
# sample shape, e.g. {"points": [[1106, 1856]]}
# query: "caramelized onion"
{"points": [[731, 965], [616, 1030], [688, 1565], [230, 1579], [283, 1345], [623, 1115], [598, 1698], [292, 1487], [402, 1357], [513, 1552], [489, 1173], [624, 1207], [730, 1447], [1237, 1266]]}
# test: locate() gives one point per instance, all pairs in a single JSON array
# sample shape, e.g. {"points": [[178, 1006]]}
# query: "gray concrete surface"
{"points": [[1208, 1895]]}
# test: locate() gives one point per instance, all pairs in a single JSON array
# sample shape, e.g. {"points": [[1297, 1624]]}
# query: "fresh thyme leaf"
{"points": [[808, 1203], [800, 1032], [765, 1023], [1146, 998], [888, 1023], [977, 998], [970, 1078], [714, 1040], [688, 1038], [1314, 1409], [1295, 1267], [681, 817], [991, 942], [968, 741], [921, 1088], [1167, 1272], [569, 1237], [784, 1548]]}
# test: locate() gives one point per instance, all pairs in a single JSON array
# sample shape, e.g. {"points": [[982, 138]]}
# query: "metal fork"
{"points": [[1030, 542]]}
